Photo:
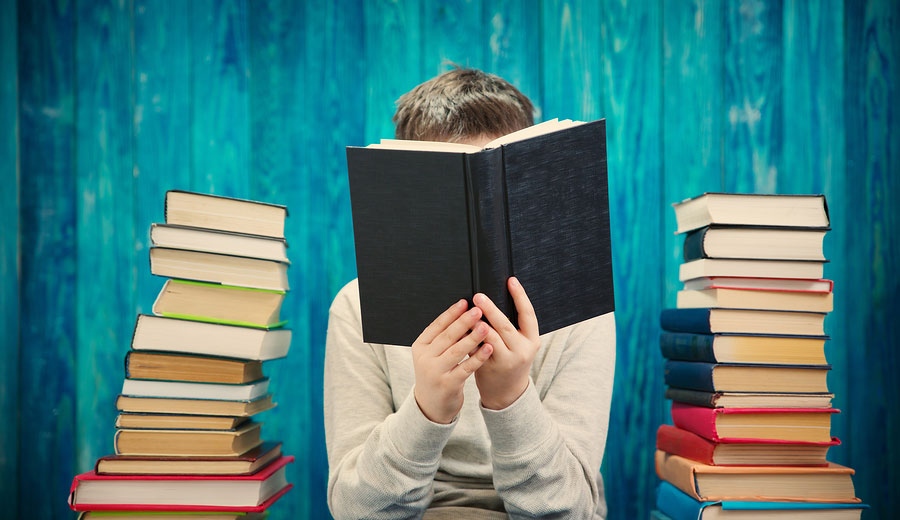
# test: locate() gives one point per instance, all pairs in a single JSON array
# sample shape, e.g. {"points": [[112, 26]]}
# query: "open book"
{"points": [[435, 222]]}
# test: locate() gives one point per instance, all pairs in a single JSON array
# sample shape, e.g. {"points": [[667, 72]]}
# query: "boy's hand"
{"points": [[437, 353], [504, 377]]}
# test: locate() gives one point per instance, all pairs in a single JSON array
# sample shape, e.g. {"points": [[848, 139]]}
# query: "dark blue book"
{"points": [[743, 348], [749, 399], [755, 243], [743, 322], [746, 377]]}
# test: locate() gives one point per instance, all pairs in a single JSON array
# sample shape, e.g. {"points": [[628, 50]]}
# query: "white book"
{"points": [[209, 339], [182, 390]]}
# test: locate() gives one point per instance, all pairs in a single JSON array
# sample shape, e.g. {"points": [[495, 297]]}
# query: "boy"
{"points": [[517, 429]]}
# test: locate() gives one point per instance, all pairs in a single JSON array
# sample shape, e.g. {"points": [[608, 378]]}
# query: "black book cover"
{"points": [[433, 227]]}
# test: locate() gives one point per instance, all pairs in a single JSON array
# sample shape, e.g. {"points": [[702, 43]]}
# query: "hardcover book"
{"points": [[209, 339], [224, 242], [725, 452], [679, 506], [188, 443], [733, 348], [217, 268], [132, 404], [749, 399], [743, 321], [250, 493], [755, 243], [203, 210], [735, 377], [832, 483], [246, 464], [748, 425], [432, 227], [198, 369], [222, 304]]}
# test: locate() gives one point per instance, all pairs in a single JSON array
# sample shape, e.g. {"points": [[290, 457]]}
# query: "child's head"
{"points": [[462, 105]]}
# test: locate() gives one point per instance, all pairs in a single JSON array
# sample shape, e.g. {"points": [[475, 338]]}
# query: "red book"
{"points": [[249, 493], [754, 425], [727, 453]]}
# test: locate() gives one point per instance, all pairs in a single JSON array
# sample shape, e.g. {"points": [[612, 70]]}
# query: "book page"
{"points": [[428, 146], [553, 125]]}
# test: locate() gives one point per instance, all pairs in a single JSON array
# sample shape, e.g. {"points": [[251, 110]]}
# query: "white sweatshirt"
{"points": [[539, 457]]}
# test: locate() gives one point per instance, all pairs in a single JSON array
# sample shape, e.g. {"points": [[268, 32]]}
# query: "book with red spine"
{"points": [[193, 493], [689, 445], [773, 425]]}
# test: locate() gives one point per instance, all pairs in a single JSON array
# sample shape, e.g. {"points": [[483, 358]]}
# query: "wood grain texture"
{"points": [[331, 262], [753, 95], [281, 134], [872, 191], [693, 133], [162, 124], [9, 255], [106, 256], [393, 46], [571, 83], [48, 200], [452, 32], [220, 119], [814, 162], [631, 47], [514, 48]]}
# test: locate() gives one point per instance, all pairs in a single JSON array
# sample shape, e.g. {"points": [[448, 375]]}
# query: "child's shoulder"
{"points": [[346, 302]]}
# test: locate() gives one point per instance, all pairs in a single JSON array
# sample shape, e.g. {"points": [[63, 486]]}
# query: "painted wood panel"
{"points": [[220, 72], [815, 162], [453, 31], [106, 256], [281, 146], [753, 95], [693, 39], [47, 371], [631, 47], [9, 253], [162, 124], [872, 191], [514, 48]]}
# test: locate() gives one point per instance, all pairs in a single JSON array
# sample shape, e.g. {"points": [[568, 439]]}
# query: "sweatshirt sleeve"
{"points": [[381, 463], [547, 451]]}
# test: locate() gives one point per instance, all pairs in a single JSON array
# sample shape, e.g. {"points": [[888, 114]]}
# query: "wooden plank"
{"points": [[105, 282], [872, 192], [571, 67], [693, 121], [814, 159], [753, 95], [393, 61], [631, 47], [9, 255], [452, 32], [220, 119], [303, 69], [280, 134], [514, 50], [162, 124], [47, 365]]}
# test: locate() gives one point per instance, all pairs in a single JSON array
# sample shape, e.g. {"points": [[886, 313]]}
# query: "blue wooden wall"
{"points": [[106, 104]]}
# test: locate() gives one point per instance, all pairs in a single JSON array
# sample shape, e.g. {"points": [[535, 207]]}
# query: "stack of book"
{"points": [[187, 444], [746, 368]]}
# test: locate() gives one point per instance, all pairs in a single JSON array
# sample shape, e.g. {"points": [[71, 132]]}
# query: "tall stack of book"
{"points": [[746, 368], [187, 444]]}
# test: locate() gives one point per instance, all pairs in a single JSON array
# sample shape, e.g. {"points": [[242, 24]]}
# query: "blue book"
{"points": [[717, 377], [677, 505], [743, 321], [743, 348]]}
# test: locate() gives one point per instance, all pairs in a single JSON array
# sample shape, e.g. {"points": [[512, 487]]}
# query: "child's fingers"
{"points": [[442, 322], [496, 318], [455, 331], [452, 356], [528, 323], [473, 363]]}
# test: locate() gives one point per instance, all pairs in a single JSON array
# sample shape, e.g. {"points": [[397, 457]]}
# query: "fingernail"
{"points": [[479, 298], [513, 281]]}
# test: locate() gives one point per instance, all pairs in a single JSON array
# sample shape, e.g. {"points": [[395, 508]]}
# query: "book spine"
{"points": [[677, 471], [693, 245], [695, 321], [691, 375], [695, 397], [489, 228], [127, 359], [675, 504], [687, 347], [685, 444], [696, 419]]}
